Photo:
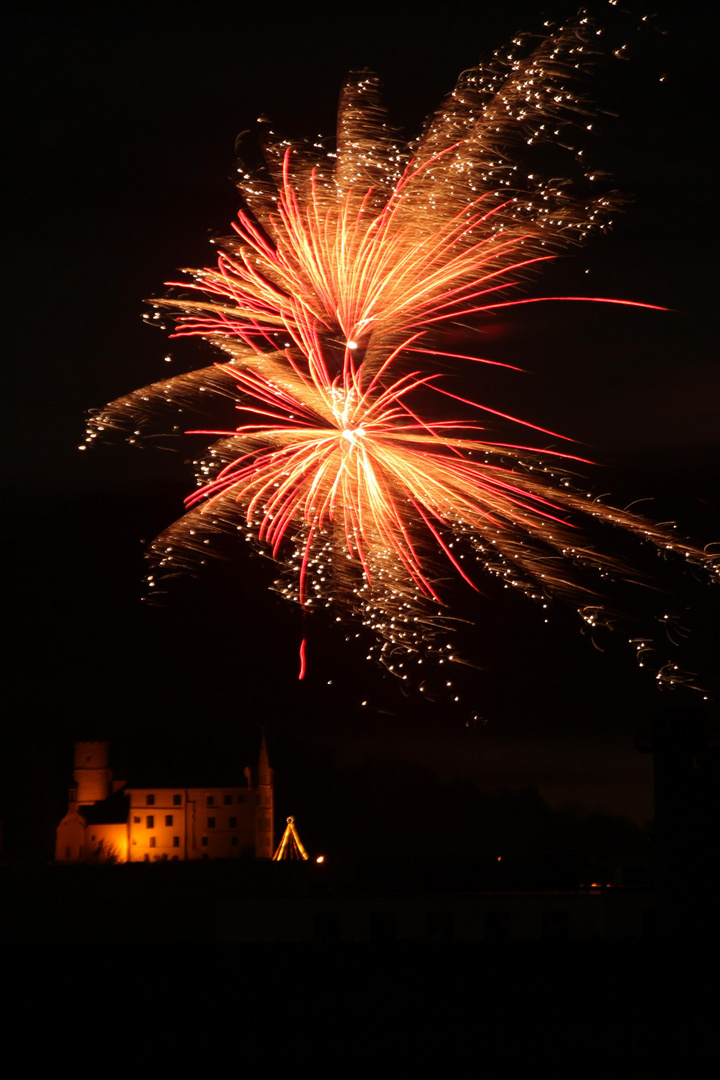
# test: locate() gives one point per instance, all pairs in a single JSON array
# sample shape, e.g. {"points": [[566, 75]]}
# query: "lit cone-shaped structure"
{"points": [[290, 847]]}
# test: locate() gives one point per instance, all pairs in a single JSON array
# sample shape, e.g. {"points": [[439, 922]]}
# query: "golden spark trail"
{"points": [[341, 274]]}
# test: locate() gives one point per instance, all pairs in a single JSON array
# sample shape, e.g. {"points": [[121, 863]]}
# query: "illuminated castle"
{"points": [[109, 821]]}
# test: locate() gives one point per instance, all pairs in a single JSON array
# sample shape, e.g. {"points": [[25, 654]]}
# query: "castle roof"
{"points": [[111, 811]]}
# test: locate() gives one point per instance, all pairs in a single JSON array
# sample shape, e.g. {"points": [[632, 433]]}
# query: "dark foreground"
{"points": [[111, 972], [582, 1009]]}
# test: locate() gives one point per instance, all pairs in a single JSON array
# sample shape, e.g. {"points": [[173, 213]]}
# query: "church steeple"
{"points": [[264, 816], [265, 773]]}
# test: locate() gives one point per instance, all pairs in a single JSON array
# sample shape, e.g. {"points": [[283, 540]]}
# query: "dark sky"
{"points": [[122, 132]]}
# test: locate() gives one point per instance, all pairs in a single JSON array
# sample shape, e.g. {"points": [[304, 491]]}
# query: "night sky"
{"points": [[122, 133]]}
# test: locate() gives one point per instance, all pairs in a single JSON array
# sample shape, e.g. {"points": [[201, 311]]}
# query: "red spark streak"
{"points": [[353, 261]]}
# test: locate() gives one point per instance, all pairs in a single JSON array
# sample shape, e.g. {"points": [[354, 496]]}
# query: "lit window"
{"points": [[149, 800], [152, 841], [150, 822], [227, 799], [177, 800], [211, 823], [232, 823], [211, 800], [168, 819], [176, 841], [203, 842]]}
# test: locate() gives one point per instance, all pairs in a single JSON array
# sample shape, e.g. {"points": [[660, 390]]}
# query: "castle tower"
{"points": [[109, 821], [91, 775], [264, 818]]}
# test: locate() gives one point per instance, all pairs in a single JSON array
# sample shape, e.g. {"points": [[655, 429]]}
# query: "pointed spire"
{"points": [[265, 775], [290, 846]]}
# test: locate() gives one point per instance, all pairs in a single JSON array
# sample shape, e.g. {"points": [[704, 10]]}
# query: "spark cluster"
{"points": [[329, 305]]}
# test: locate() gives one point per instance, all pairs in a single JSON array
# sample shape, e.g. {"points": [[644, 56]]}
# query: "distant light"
{"points": [[499, 858], [320, 858]]}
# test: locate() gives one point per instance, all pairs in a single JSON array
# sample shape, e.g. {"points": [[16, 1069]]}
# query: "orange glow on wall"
{"points": [[110, 821]]}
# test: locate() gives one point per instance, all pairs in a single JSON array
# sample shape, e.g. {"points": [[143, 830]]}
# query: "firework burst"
{"points": [[328, 304]]}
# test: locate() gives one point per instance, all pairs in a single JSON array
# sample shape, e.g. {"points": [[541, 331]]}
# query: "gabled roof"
{"points": [[110, 811]]}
